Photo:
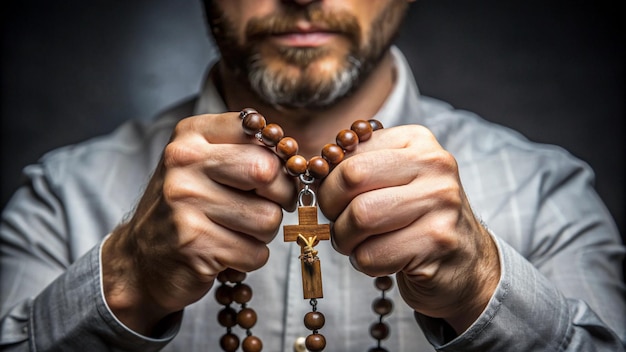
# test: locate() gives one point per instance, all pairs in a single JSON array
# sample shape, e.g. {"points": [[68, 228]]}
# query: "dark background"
{"points": [[553, 70]]}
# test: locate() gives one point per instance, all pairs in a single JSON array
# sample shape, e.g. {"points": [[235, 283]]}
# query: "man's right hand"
{"points": [[214, 202]]}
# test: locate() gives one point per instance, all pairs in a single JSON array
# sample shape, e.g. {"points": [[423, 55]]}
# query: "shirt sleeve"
{"points": [[528, 312], [48, 302]]}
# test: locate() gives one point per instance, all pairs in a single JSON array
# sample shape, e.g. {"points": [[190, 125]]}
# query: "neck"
{"points": [[314, 128]]}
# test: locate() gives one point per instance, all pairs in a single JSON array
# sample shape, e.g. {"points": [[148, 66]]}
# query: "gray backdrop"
{"points": [[554, 70]]}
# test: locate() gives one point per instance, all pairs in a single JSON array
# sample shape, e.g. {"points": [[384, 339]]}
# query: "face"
{"points": [[303, 54]]}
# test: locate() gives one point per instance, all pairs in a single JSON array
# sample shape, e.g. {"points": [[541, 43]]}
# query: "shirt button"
{"points": [[300, 345]]}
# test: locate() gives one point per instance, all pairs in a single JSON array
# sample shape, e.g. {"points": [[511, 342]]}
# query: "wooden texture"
{"points": [[308, 228]]}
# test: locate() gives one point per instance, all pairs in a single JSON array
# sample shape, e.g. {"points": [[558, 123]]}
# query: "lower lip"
{"points": [[312, 39]]}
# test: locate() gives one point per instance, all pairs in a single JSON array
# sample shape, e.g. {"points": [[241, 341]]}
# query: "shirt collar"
{"points": [[403, 101]]}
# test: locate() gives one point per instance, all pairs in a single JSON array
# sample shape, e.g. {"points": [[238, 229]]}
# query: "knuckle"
{"points": [[442, 161], [264, 170], [354, 173], [363, 212], [269, 219], [178, 153], [443, 234], [448, 193], [364, 261], [175, 187]]}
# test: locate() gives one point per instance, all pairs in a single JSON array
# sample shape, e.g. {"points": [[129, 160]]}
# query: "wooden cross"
{"points": [[307, 234]]}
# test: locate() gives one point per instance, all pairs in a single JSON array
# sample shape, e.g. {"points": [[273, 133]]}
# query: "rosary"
{"points": [[306, 234]]}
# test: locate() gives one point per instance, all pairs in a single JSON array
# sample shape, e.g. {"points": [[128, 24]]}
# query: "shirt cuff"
{"points": [[72, 313], [524, 304]]}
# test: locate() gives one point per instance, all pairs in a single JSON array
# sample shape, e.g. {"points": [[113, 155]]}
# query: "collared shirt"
{"points": [[560, 253]]}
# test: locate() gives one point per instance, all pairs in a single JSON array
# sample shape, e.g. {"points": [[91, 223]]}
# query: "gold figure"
{"points": [[309, 254]]}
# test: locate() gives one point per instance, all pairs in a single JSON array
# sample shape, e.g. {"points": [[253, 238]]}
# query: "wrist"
{"points": [[125, 295], [480, 290]]}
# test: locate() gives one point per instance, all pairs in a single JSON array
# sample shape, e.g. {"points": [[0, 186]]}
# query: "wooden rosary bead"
{"points": [[314, 320], [272, 134], [229, 342], [252, 344], [383, 283], [231, 275], [227, 317], [347, 139], [242, 293], [286, 148], [296, 165], [318, 167], [382, 306], [252, 123], [376, 125], [246, 318], [246, 111], [379, 331], [363, 129], [224, 295], [315, 342], [333, 153]]}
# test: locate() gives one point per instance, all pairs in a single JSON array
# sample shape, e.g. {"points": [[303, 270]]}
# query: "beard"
{"points": [[306, 88]]}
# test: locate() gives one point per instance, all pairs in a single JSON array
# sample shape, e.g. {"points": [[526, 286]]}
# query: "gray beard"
{"points": [[278, 90]]}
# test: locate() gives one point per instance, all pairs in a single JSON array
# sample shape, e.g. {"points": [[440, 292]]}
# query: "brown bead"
{"points": [[376, 125], [382, 306], [318, 167], [252, 344], [272, 134], [379, 331], [286, 148], [246, 111], [231, 275], [253, 123], [242, 293], [347, 139], [315, 342], [222, 277], [224, 295], [333, 153], [246, 318], [383, 283], [314, 320], [229, 342], [362, 129], [296, 165], [227, 317]]}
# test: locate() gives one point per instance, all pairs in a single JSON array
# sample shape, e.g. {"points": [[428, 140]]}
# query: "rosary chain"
{"points": [[318, 167]]}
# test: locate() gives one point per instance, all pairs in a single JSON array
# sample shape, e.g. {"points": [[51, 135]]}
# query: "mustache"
{"points": [[286, 22]]}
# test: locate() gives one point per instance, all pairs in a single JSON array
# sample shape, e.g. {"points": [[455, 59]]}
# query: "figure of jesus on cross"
{"points": [[307, 234]]}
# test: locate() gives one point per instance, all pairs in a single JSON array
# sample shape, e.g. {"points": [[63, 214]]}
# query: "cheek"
{"points": [[238, 13]]}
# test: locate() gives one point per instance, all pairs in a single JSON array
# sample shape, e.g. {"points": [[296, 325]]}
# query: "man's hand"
{"points": [[398, 206], [214, 202]]}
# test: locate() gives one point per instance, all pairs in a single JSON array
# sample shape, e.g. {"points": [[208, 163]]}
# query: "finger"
{"points": [[419, 249], [236, 210], [214, 128], [393, 208], [210, 248], [394, 157], [362, 173], [218, 144], [251, 168]]}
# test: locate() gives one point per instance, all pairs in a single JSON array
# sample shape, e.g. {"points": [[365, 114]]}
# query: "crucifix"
{"points": [[307, 234]]}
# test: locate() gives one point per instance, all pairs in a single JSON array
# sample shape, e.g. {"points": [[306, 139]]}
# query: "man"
{"points": [[495, 243]]}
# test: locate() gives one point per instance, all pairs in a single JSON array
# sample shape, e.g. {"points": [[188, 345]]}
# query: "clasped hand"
{"points": [[216, 200]]}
